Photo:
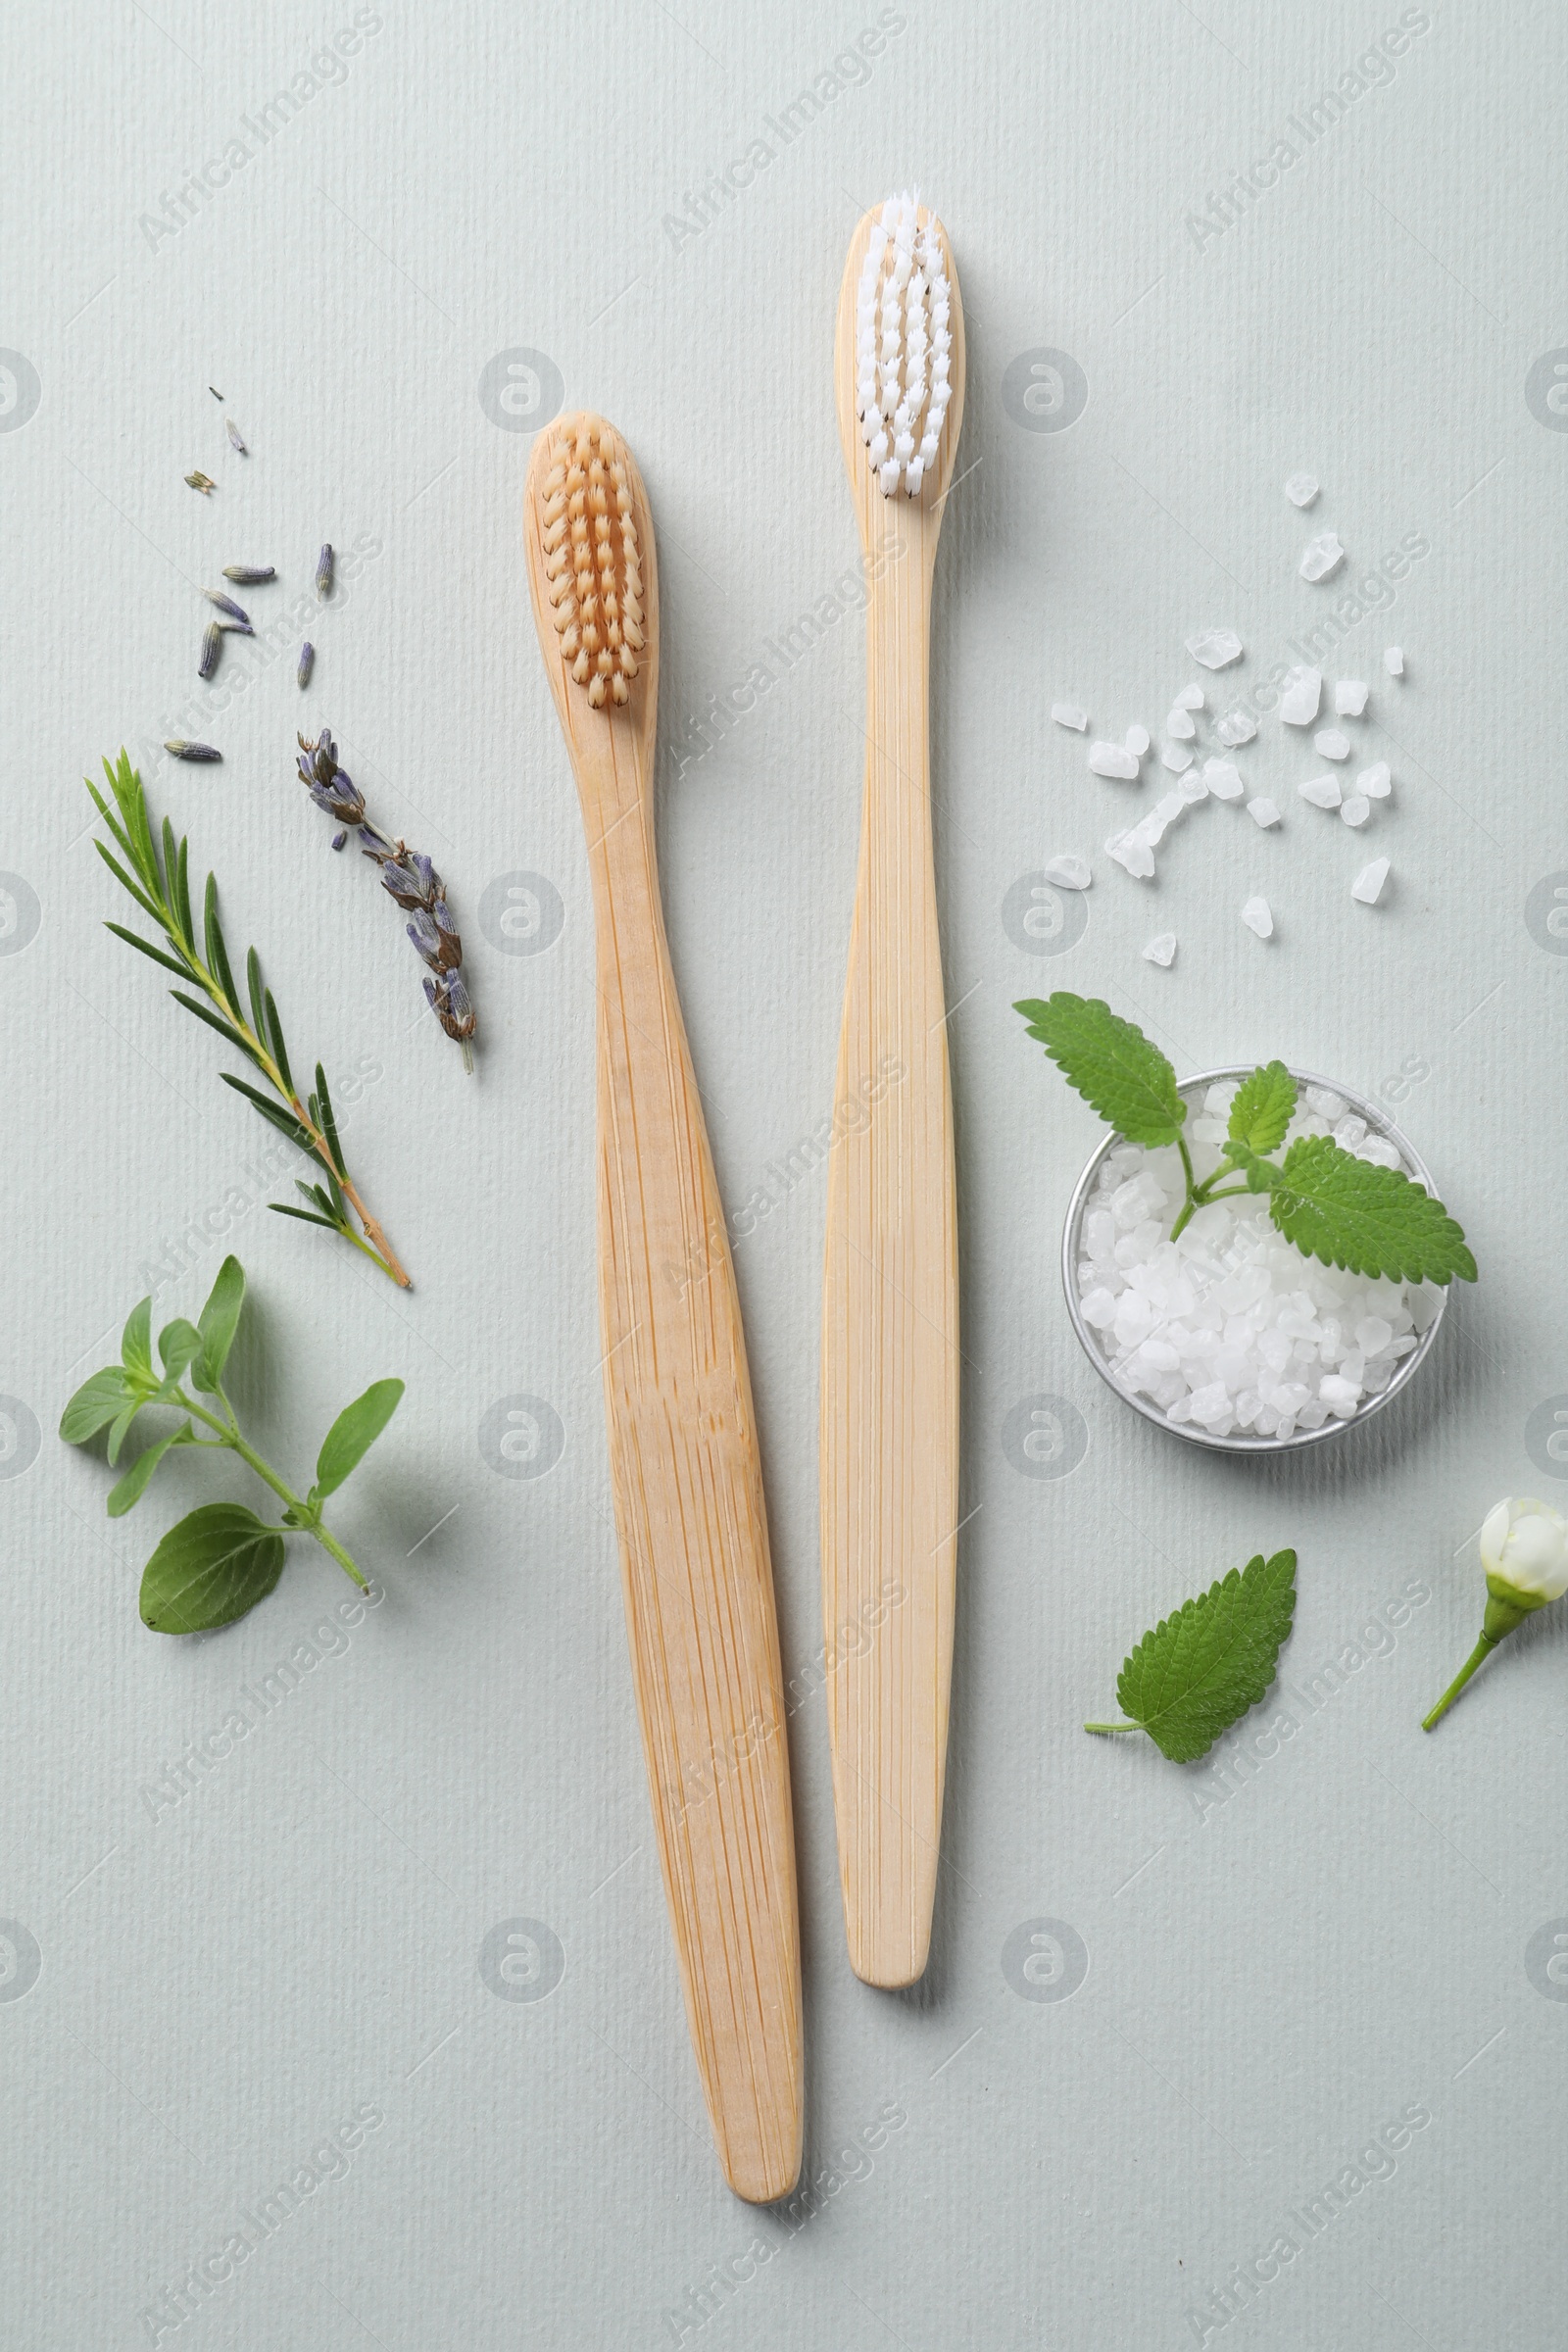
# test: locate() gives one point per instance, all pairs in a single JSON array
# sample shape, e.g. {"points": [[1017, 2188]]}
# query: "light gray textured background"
{"points": [[1273, 1975]]}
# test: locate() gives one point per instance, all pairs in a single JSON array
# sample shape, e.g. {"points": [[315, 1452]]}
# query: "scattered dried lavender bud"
{"points": [[340, 837], [324, 563], [249, 575], [217, 395], [192, 750], [211, 647], [203, 482], [235, 435], [236, 628], [226, 603], [306, 664]]}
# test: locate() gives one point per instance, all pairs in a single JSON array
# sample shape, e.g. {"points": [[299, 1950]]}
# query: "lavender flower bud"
{"points": [[426, 939]]}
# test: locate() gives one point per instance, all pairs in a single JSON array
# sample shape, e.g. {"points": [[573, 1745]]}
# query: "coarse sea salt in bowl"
{"points": [[1230, 1336]]}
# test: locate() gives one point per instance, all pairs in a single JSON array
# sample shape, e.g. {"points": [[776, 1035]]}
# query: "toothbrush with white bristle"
{"points": [[890, 1325]]}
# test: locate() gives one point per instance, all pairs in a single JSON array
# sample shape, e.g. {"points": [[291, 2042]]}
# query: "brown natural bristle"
{"points": [[593, 561]]}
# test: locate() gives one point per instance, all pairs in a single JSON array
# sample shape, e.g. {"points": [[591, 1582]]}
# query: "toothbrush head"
{"points": [[904, 305], [593, 556]]}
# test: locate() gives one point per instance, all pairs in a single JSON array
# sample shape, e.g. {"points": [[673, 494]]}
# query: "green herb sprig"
{"points": [[1346, 1211], [159, 881], [220, 1561], [1201, 1669]]}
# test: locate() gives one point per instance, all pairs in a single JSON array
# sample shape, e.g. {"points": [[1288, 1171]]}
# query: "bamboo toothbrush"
{"points": [[890, 1320], [683, 1455]]}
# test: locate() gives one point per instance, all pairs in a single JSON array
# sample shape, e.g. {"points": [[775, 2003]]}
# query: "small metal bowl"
{"points": [[1378, 1123]]}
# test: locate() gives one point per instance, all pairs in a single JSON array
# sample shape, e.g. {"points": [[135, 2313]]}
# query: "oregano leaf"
{"points": [[212, 1566]]}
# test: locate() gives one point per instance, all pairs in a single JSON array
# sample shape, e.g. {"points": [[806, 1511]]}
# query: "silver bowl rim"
{"points": [[1377, 1118]]}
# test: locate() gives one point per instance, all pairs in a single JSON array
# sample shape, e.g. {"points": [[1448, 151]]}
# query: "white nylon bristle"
{"points": [[903, 347], [593, 564]]}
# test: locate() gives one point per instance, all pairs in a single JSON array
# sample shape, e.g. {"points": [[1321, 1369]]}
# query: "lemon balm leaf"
{"points": [[1368, 1219], [1112, 1063], [1201, 1669], [1264, 1106]]}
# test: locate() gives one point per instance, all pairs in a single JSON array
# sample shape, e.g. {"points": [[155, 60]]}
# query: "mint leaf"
{"points": [[1199, 1670], [95, 1405], [220, 1320], [1112, 1064], [353, 1432], [211, 1567], [1262, 1108], [1367, 1219]]}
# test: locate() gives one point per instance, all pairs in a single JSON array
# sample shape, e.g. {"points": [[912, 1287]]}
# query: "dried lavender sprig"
{"points": [[234, 436], [306, 664], [409, 879], [326, 565], [249, 575], [211, 647], [226, 603]]}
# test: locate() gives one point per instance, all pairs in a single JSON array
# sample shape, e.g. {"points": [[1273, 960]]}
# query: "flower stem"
{"points": [[307, 1517], [1480, 1651], [1113, 1727]]}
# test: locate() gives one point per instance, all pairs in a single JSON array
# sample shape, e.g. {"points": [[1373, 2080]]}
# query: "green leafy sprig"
{"points": [[159, 881], [1332, 1205], [220, 1561], [1199, 1670]]}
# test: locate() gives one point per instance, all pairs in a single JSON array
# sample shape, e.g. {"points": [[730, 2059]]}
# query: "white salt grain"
{"points": [[1264, 812], [1322, 791], [1177, 758], [1161, 950], [1068, 715], [1257, 916], [1110, 760], [1350, 697], [1234, 729], [1321, 557], [1180, 725], [1368, 884], [1069, 872], [1375, 781], [1133, 857], [1191, 698], [1223, 778], [1331, 743], [1300, 697], [1302, 489], [1137, 740], [1393, 661], [1215, 648], [1356, 810], [1192, 786]]}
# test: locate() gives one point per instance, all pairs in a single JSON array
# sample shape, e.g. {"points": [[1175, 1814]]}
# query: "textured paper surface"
{"points": [[328, 1922]]}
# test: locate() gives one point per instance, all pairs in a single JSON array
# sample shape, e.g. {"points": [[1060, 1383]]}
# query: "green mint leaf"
{"points": [[136, 1346], [135, 1484], [1112, 1064], [210, 1568], [1198, 1671], [1262, 1108], [219, 1321], [1370, 1220], [178, 1344], [96, 1403], [353, 1432]]}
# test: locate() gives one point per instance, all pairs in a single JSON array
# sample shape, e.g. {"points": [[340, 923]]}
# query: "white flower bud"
{"points": [[1524, 1549]]}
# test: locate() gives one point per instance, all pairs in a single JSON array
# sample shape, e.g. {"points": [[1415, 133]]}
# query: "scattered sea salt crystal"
{"points": [[1137, 740], [1191, 698], [1375, 781], [1069, 872], [1133, 857], [1179, 723], [1223, 778], [1321, 557], [1192, 786], [1302, 489], [1356, 810], [1322, 791], [1234, 729], [1350, 697], [1109, 759], [1393, 661], [1257, 916], [1331, 743], [1368, 884], [1161, 950], [1264, 812], [1177, 758], [1215, 648], [1300, 697], [1068, 715]]}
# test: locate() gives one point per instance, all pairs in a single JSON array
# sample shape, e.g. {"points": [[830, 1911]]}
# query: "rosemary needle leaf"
{"points": [[131, 889], [284, 1120], [273, 1034], [145, 948], [329, 1118], [254, 991], [217, 950], [214, 1021], [180, 881], [305, 1216]]}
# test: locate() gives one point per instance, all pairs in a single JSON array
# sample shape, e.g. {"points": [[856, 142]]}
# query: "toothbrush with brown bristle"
{"points": [[890, 1322], [683, 1455]]}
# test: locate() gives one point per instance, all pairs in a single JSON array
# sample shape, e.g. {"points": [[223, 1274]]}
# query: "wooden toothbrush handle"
{"points": [[689, 1510], [890, 1325]]}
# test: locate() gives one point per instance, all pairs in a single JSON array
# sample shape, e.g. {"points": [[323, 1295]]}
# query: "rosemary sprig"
{"points": [[158, 879]]}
